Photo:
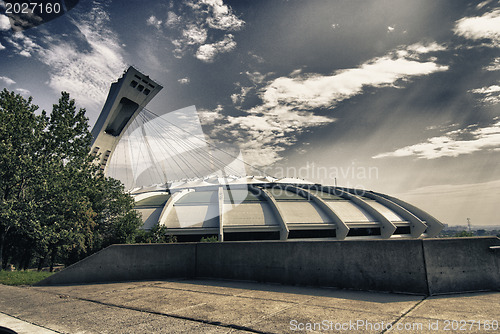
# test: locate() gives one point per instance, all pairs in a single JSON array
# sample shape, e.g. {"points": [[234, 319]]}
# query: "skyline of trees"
{"points": [[55, 204]]}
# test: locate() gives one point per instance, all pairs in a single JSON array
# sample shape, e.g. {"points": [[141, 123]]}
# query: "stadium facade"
{"points": [[234, 208]]}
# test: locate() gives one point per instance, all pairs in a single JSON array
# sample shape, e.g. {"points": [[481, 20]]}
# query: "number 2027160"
{"points": [[33, 7]]}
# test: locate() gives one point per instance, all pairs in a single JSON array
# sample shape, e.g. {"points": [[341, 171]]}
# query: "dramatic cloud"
{"points": [[23, 91], [172, 19], [194, 35], [153, 21], [202, 21], [256, 79], [289, 103], [422, 48], [490, 95], [85, 74], [482, 4], [486, 26], [24, 45], [452, 144], [494, 65], [209, 116], [4, 23], [222, 17], [7, 81], [208, 52], [325, 91]]}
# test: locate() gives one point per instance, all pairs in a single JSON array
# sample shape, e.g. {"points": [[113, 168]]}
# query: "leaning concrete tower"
{"points": [[126, 98]]}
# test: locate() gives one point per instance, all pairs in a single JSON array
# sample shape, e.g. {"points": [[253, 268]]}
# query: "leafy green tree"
{"points": [[158, 234], [212, 238], [53, 200], [20, 133], [463, 234]]}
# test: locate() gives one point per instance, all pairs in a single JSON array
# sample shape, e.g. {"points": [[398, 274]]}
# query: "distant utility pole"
{"points": [[468, 223]]}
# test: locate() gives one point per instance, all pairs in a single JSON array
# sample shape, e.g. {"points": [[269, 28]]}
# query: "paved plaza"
{"points": [[209, 306]]}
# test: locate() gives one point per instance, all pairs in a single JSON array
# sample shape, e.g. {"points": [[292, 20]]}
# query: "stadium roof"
{"points": [[264, 208]]}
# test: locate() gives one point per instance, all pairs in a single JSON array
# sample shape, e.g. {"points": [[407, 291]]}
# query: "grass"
{"points": [[22, 277]]}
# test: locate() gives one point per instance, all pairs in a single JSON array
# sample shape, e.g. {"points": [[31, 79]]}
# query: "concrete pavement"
{"points": [[209, 306]]}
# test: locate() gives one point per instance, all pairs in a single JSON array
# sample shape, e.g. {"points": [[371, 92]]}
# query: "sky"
{"points": [[400, 97]]}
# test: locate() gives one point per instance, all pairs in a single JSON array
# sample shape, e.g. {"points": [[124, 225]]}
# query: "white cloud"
{"points": [[23, 91], [487, 90], [25, 53], [452, 144], [256, 77], [172, 19], [482, 4], [208, 52], [85, 74], [422, 48], [222, 17], [198, 22], [210, 116], [153, 21], [288, 103], [494, 65], [8, 81], [1, 46], [324, 91], [490, 95], [194, 35], [486, 26], [238, 98], [24, 45], [4, 23]]}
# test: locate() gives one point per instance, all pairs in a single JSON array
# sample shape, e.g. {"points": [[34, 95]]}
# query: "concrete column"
{"points": [[386, 229], [275, 208], [341, 228]]}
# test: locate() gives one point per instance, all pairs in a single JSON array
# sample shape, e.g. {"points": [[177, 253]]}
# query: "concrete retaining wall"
{"points": [[366, 265], [130, 262], [422, 266], [462, 264]]}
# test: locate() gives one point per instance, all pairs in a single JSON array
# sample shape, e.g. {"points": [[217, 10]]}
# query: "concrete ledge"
{"points": [[462, 264], [128, 263], [365, 265], [420, 266]]}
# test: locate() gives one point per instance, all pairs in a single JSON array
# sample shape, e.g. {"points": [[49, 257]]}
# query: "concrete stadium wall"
{"points": [[421, 266], [129, 263], [365, 265], [462, 264]]}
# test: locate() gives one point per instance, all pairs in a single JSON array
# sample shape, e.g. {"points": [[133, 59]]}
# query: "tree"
{"points": [[20, 133], [463, 234], [158, 234], [54, 200]]}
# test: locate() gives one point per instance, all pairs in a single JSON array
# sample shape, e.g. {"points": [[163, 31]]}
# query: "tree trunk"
{"points": [[2, 241], [53, 254], [41, 261]]}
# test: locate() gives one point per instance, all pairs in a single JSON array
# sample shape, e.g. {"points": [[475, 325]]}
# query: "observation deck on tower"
{"points": [[126, 98]]}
